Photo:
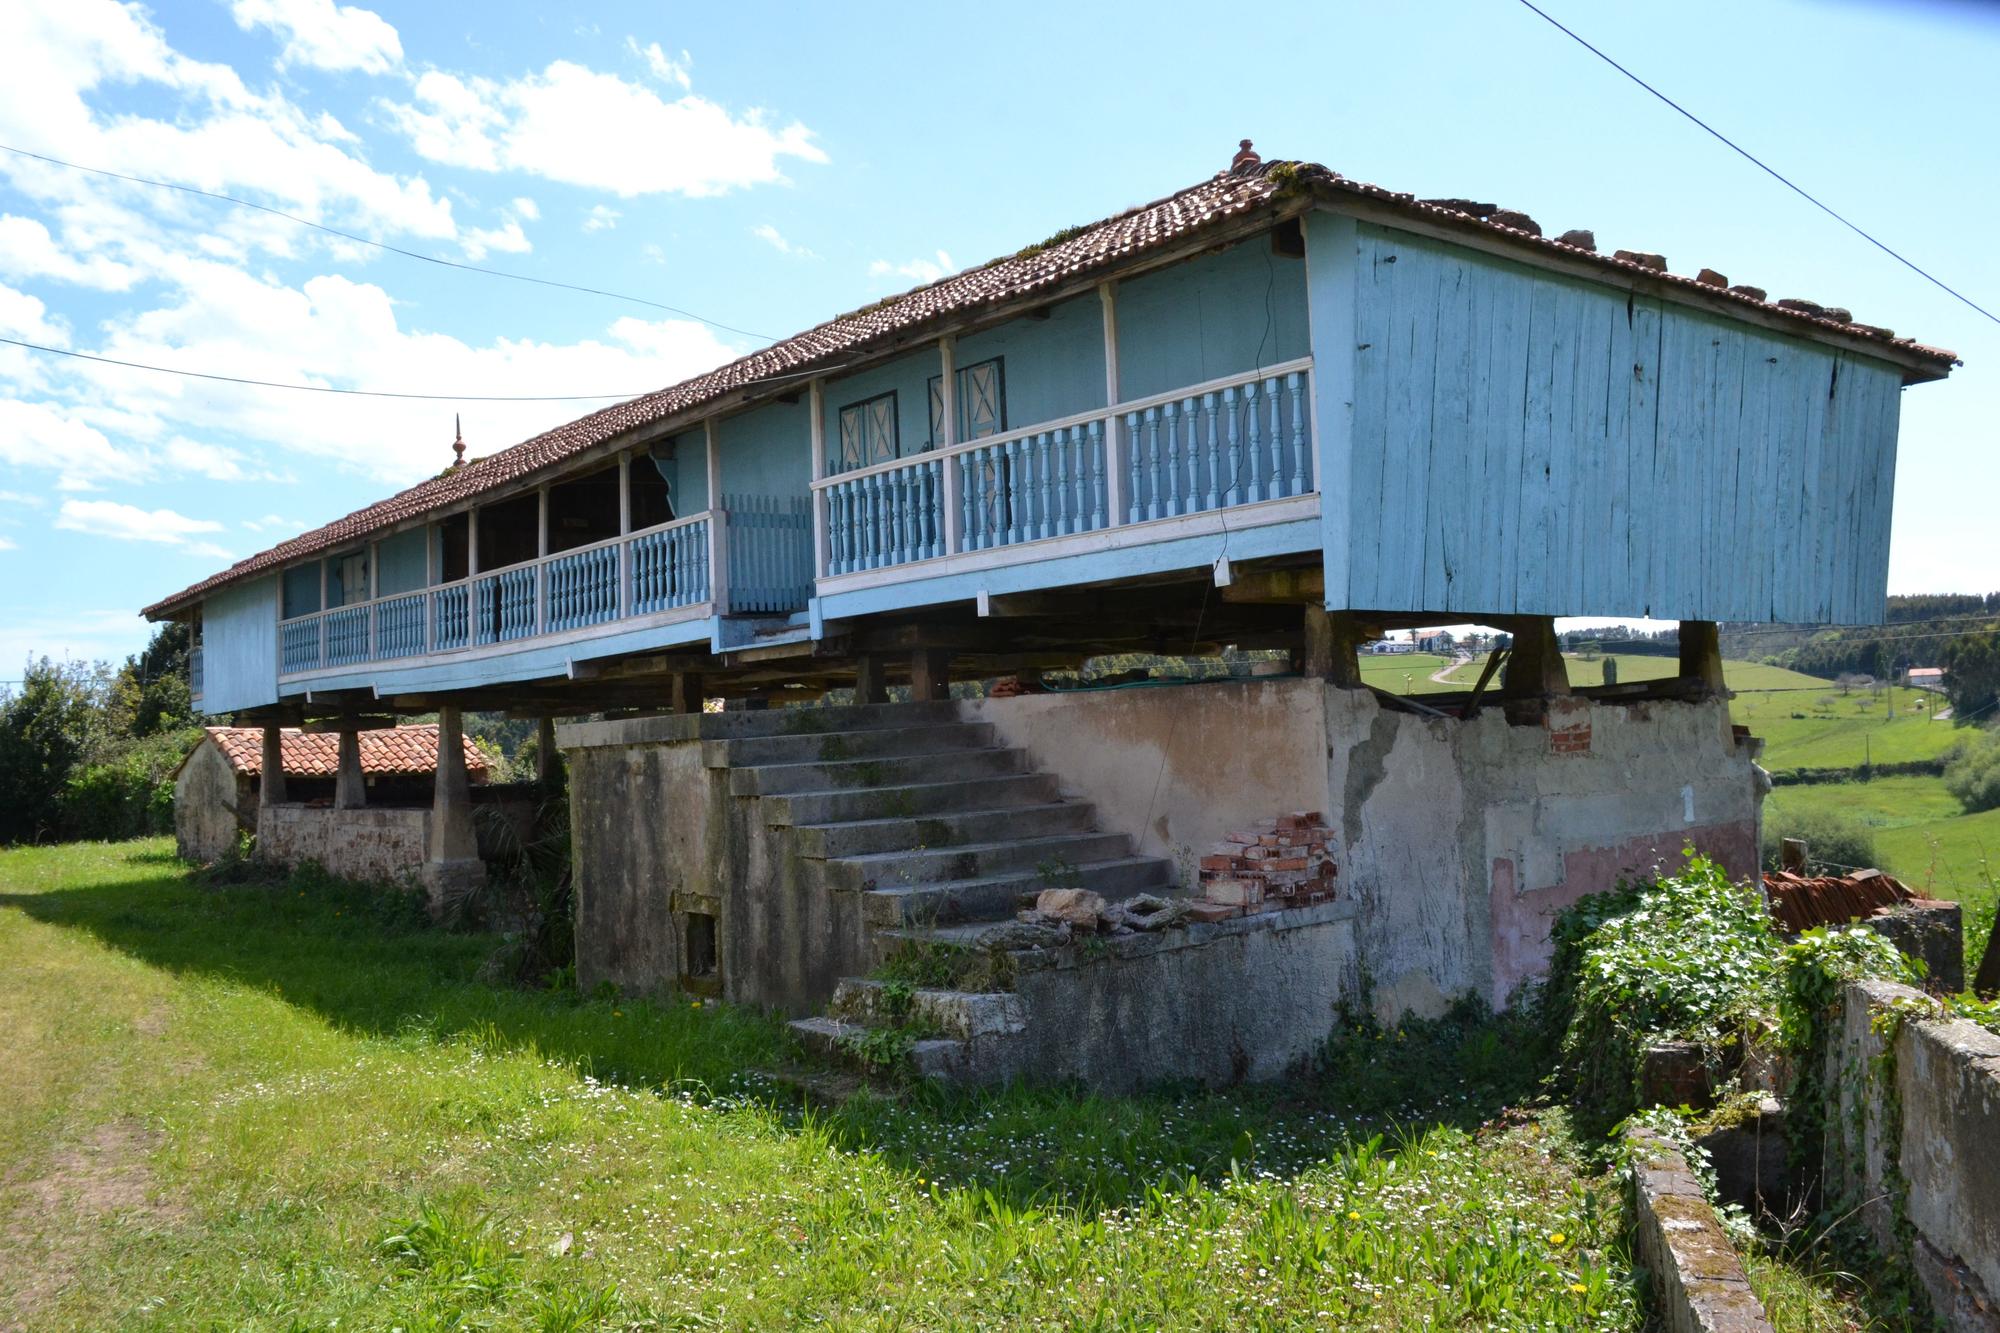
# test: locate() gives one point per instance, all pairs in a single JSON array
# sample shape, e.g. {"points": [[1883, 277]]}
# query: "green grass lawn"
{"points": [[1922, 835], [1406, 673], [296, 1106]]}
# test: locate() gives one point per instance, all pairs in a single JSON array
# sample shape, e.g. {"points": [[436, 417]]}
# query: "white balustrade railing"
{"points": [[1236, 440], [660, 569]]}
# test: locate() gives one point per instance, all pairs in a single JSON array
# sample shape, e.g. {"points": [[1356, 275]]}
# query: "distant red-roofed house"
{"points": [[216, 786]]}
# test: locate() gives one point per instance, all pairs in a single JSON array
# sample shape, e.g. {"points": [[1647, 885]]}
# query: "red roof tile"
{"points": [[1800, 902], [1101, 248], [385, 751]]}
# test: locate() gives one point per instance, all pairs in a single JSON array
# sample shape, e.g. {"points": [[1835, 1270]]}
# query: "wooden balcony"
{"points": [[1235, 453]]}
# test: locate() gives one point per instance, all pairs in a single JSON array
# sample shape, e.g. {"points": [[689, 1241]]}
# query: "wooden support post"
{"points": [[1114, 471], [930, 675], [816, 406], [948, 494], [546, 767], [271, 781], [1986, 985], [1701, 655], [1329, 650], [871, 680], [1793, 856], [1535, 665], [350, 786], [684, 692]]}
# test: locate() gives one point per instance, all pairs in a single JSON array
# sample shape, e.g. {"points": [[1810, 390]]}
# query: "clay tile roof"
{"points": [[1100, 248], [385, 751], [1800, 902]]}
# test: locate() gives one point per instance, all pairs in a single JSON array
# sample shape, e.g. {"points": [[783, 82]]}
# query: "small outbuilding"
{"points": [[216, 788]]}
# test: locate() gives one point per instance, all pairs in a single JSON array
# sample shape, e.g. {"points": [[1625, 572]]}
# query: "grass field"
{"points": [[288, 1107], [1806, 722], [1406, 673], [1922, 836]]}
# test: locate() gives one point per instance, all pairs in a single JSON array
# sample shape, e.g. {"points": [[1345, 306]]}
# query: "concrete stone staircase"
{"points": [[943, 834]]}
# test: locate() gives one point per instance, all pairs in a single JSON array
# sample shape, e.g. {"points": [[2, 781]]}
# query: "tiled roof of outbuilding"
{"points": [[1100, 247], [385, 751]]}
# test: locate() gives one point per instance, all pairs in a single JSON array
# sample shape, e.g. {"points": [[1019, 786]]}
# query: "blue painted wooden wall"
{"points": [[1527, 443], [239, 634], [1212, 316], [400, 563], [767, 450], [1053, 367]]}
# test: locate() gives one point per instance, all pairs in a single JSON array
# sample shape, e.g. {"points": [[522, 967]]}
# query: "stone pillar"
{"points": [[271, 782], [350, 787], [871, 680], [1535, 666], [546, 766], [930, 675], [453, 866], [1701, 655], [1329, 649]]}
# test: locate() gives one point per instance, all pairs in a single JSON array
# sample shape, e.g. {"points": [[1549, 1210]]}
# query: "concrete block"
{"points": [[1697, 1277], [1234, 892]]}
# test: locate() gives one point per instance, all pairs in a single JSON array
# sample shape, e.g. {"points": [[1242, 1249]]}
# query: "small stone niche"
{"points": [[701, 972]]}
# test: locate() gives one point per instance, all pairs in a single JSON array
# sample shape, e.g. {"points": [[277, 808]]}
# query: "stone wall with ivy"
{"points": [[1912, 1139]]}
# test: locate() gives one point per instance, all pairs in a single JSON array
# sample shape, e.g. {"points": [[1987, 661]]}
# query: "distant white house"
{"points": [[1925, 678], [1440, 642], [1381, 647]]}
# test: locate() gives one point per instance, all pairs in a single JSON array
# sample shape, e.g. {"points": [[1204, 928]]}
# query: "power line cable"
{"points": [[379, 393], [392, 249], [1762, 166]]}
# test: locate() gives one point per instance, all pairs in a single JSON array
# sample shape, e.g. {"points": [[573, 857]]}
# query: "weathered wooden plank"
{"points": [[1643, 532], [1374, 366], [1530, 579], [1414, 337], [1558, 479], [1449, 545]]}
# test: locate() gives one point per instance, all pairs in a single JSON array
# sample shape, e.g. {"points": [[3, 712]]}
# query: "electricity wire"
{"points": [[1762, 166]]}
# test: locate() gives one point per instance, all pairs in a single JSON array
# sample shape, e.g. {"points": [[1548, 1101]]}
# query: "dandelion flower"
{"points": [[1578, 1288], [1354, 1217], [1557, 1238]]}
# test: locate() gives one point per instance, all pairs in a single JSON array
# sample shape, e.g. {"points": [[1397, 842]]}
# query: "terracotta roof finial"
{"points": [[1246, 158], [458, 442]]}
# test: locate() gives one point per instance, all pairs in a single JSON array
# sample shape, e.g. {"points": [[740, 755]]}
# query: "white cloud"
{"points": [[665, 68], [324, 35], [275, 523], [213, 461], [129, 523], [7, 545], [921, 270], [508, 238], [527, 208], [20, 498], [577, 125], [27, 251], [601, 218], [89, 635], [42, 435], [771, 236], [24, 316], [210, 131]]}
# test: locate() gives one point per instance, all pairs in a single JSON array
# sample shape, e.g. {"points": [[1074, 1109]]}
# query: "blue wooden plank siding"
{"points": [[239, 628], [1526, 443]]}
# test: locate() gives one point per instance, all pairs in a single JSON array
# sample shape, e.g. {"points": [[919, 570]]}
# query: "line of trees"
{"points": [[88, 750]]}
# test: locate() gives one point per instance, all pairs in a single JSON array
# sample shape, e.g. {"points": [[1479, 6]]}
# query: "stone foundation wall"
{"points": [[1460, 840], [1918, 1132], [382, 845], [1455, 841]]}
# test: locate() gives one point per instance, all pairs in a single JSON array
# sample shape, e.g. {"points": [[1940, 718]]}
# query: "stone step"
{"points": [[950, 828], [979, 860], [833, 746], [962, 1015], [927, 1057], [998, 897], [818, 721], [909, 801], [859, 774]]}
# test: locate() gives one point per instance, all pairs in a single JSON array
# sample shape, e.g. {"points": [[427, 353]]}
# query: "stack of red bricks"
{"points": [[1284, 862]]}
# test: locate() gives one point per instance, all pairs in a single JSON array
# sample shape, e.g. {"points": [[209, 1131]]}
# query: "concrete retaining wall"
{"points": [[384, 845], [1926, 1144]]}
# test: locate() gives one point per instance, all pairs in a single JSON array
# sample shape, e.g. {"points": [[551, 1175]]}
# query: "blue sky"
{"points": [[768, 166]]}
